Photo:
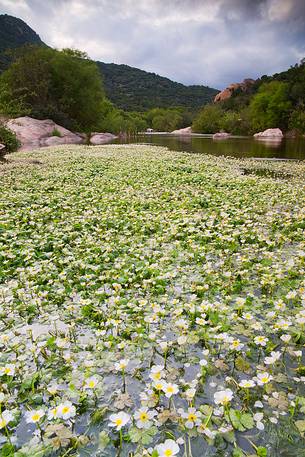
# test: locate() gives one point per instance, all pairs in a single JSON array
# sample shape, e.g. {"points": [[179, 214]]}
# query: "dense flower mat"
{"points": [[152, 303]]}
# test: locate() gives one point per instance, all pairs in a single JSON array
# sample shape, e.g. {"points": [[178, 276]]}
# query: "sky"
{"points": [[210, 42]]}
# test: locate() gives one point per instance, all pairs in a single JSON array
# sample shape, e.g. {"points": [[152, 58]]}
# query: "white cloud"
{"points": [[211, 42]]}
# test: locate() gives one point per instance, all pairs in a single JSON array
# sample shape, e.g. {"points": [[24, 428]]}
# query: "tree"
{"points": [[65, 87], [271, 106], [209, 120]]}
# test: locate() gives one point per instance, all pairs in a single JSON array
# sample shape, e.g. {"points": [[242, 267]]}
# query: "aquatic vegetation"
{"points": [[152, 303]]}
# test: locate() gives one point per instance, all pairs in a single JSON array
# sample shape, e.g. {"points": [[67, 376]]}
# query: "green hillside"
{"points": [[137, 90], [14, 33]]}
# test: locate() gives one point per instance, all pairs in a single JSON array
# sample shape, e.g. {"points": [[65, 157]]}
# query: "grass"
{"points": [[151, 302]]}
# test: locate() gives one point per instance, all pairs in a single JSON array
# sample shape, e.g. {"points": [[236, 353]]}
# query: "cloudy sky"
{"points": [[212, 42]]}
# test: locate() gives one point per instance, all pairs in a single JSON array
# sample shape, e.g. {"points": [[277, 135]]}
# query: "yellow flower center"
{"points": [[7, 370], [118, 422], [2, 423], [91, 384], [170, 390], [65, 409], [35, 417], [168, 452], [159, 386], [157, 375], [143, 417], [264, 379], [191, 417]]}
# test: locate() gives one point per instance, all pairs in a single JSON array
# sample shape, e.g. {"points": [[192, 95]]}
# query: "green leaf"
{"points": [[103, 440], [262, 451], [247, 420], [235, 419], [237, 452], [300, 425]]}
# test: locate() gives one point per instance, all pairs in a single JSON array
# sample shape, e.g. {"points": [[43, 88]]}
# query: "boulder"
{"points": [[244, 86], [270, 133], [185, 131], [101, 138], [2, 147], [221, 135], [34, 133]]}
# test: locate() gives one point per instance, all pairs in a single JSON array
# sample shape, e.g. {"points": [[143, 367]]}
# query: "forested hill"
{"points": [[128, 88], [14, 33], [137, 90]]}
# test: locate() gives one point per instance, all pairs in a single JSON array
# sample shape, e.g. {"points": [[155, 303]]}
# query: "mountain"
{"points": [[128, 88], [137, 90], [14, 33]]}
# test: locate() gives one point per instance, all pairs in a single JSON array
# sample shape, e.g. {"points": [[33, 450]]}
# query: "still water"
{"points": [[234, 146]]}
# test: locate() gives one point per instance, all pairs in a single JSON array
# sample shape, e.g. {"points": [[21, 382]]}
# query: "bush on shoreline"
{"points": [[9, 139]]}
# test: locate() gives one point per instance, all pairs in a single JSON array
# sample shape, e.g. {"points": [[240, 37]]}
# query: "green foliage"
{"points": [[132, 89], [56, 132], [271, 106], [9, 105], [8, 138], [297, 120], [165, 120], [208, 120], [53, 84]]}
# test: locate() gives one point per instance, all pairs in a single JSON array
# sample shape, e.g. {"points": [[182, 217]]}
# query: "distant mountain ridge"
{"points": [[128, 88]]}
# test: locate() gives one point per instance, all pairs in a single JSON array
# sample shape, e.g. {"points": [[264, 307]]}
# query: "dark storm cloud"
{"points": [[212, 42]]}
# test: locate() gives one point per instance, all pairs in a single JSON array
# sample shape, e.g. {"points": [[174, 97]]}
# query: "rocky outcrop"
{"points": [[270, 133], [101, 138], [227, 93], [185, 131], [34, 133], [221, 135]]}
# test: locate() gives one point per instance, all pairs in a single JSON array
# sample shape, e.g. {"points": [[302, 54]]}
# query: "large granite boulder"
{"points": [[185, 131], [270, 133], [221, 136], [101, 138], [244, 86], [34, 133]]}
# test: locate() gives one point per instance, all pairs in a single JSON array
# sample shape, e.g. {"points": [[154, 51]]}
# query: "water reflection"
{"points": [[234, 146]]}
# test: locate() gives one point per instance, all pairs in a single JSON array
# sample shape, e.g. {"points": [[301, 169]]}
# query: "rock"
{"points": [[2, 147], [34, 133], [221, 135], [270, 133], [185, 131], [227, 93], [102, 138], [56, 140]]}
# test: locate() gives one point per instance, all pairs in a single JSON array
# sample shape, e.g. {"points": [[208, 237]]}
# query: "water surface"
{"points": [[234, 146]]}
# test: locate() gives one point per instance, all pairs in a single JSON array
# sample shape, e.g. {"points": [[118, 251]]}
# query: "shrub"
{"points": [[8, 138]]}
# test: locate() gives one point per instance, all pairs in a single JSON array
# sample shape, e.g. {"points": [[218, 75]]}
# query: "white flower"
{"points": [[236, 345], [34, 416], [5, 417], [247, 383], [203, 362], [223, 397], [192, 417], [258, 417], [285, 338], [91, 383], [144, 417], [66, 410], [274, 357], [156, 372], [263, 378], [121, 365], [258, 404], [261, 340], [189, 394], [119, 420], [53, 413], [8, 370], [170, 389], [169, 448]]}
